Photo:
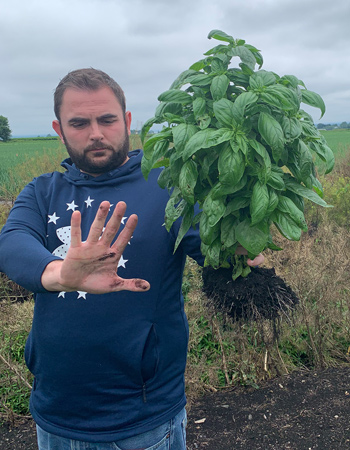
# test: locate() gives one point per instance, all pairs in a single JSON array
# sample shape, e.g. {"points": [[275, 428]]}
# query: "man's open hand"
{"points": [[91, 266]]}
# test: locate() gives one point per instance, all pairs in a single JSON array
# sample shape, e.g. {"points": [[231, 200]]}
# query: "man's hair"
{"points": [[90, 80]]}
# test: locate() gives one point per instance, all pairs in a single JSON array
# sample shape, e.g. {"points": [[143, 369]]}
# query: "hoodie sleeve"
{"points": [[23, 252]]}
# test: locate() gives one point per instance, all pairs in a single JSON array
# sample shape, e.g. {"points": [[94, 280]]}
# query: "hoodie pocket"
{"points": [[150, 356]]}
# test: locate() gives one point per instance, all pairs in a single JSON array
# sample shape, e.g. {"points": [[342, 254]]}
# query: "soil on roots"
{"points": [[260, 295]]}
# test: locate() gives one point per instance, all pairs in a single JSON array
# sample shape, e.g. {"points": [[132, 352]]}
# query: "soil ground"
{"points": [[302, 411]]}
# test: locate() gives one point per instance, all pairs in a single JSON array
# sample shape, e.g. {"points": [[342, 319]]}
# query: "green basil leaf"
{"points": [[324, 152], [221, 48], [305, 160], [201, 79], [276, 181], [264, 157], [181, 135], [259, 202], [146, 127], [281, 97], [236, 204], [208, 233], [231, 165], [220, 36], [245, 55], [206, 138], [228, 234], [225, 112], [185, 224], [218, 66], [214, 209], [187, 180], [165, 109], [220, 190], [286, 226], [291, 128], [182, 79], [261, 79], [207, 162], [158, 151], [291, 80], [204, 122], [212, 257], [305, 192], [273, 201], [256, 53], [164, 179], [287, 206], [199, 107], [175, 96], [238, 77], [219, 87], [313, 99], [175, 164], [297, 200], [272, 133], [252, 237], [243, 101], [172, 212]]}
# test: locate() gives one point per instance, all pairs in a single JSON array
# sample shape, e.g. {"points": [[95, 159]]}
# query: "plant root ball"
{"points": [[261, 295]]}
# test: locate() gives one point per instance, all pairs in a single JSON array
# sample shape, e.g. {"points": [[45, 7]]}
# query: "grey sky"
{"points": [[144, 45]]}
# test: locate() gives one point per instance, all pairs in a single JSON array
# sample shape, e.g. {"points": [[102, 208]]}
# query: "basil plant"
{"points": [[236, 141]]}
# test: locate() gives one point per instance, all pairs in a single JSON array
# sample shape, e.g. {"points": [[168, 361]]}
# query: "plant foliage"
{"points": [[5, 131], [237, 143]]}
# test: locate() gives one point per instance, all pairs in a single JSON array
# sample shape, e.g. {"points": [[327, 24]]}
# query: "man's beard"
{"points": [[117, 157]]}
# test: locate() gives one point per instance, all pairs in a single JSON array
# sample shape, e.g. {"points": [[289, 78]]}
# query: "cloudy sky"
{"points": [[146, 44]]}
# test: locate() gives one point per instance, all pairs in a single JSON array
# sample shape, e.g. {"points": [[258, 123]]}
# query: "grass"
{"points": [[338, 140], [222, 352]]}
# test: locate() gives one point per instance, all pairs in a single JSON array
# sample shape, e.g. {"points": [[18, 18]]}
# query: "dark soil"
{"points": [[301, 411], [261, 295]]}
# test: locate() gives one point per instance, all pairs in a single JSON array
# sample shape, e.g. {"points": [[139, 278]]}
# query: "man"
{"points": [[107, 350]]}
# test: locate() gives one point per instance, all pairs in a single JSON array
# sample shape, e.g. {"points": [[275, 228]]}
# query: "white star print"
{"points": [[123, 220], [122, 262], [53, 218], [82, 294], [71, 206], [89, 201], [61, 294]]}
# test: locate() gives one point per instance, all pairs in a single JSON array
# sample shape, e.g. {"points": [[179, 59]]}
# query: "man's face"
{"points": [[94, 129]]}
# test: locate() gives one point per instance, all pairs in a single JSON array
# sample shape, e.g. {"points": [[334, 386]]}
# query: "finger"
{"points": [[125, 235], [113, 224], [75, 229], [256, 261], [99, 222], [132, 284]]}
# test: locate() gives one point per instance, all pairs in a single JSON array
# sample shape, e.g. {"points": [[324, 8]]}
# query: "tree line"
{"points": [[5, 131], [331, 126]]}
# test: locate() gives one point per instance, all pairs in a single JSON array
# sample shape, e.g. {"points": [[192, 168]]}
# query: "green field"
{"points": [[338, 140], [17, 151], [23, 159]]}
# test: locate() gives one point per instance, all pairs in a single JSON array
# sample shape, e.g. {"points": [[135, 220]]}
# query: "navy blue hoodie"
{"points": [[109, 366]]}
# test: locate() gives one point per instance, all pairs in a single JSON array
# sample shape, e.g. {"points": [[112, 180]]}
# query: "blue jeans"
{"points": [[170, 436]]}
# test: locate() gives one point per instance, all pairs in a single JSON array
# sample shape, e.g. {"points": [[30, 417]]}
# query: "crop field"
{"points": [[338, 140]]}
